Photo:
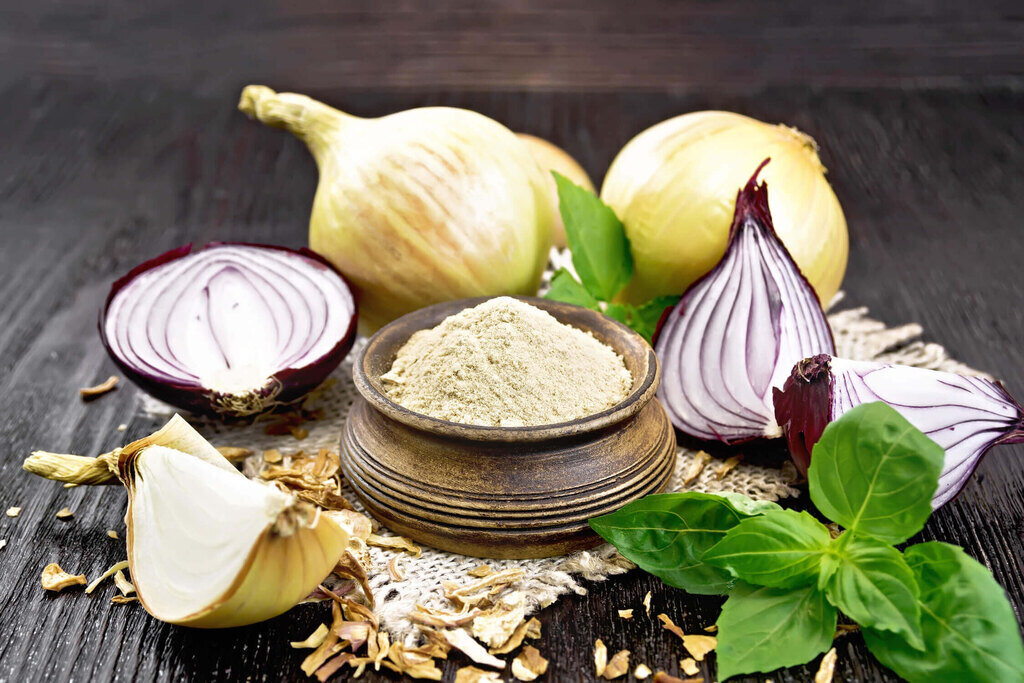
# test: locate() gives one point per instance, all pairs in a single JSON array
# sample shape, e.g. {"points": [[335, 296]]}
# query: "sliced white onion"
{"points": [[737, 332], [230, 328], [965, 415]]}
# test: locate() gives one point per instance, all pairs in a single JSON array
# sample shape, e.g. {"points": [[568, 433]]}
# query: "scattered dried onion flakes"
{"points": [[728, 466], [527, 629], [670, 625], [699, 646], [618, 665], [13, 511], [647, 603], [3, 543], [394, 543], [662, 677], [529, 664], [112, 534], [689, 666], [827, 668], [123, 564], [64, 513], [481, 571], [700, 460], [56, 579], [313, 640], [122, 583], [642, 671], [394, 571], [471, 674], [103, 387], [123, 599], [600, 657], [462, 641], [495, 626], [234, 454]]}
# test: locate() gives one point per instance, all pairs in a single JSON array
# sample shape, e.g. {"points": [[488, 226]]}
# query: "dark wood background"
{"points": [[119, 139]]}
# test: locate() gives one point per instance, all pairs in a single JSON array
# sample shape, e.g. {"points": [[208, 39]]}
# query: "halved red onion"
{"points": [[231, 328], [738, 330], [965, 415]]}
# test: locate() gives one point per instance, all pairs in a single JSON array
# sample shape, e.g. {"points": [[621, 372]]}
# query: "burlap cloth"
{"points": [[857, 336]]}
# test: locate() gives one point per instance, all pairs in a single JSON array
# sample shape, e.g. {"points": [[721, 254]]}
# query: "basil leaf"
{"points": [[597, 239], [621, 312], [642, 319], [874, 586], [763, 629], [746, 504], [666, 534], [647, 316], [970, 631], [780, 548], [564, 287], [875, 473]]}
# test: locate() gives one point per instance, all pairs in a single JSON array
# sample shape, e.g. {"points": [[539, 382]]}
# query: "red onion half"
{"points": [[229, 329], [965, 415], [737, 332]]}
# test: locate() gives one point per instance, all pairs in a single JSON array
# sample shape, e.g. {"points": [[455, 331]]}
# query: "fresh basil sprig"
{"points": [[601, 257], [930, 613]]}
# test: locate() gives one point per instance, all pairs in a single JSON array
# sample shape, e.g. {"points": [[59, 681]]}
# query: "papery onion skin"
{"points": [[284, 386], [965, 415], [737, 331], [673, 188], [421, 206]]}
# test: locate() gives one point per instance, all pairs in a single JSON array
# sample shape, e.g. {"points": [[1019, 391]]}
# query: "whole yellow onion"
{"points": [[674, 187], [551, 157], [421, 206]]}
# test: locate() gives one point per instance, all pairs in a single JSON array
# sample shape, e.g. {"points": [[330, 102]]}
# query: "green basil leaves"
{"points": [[875, 473], [929, 613], [667, 534], [602, 259]]}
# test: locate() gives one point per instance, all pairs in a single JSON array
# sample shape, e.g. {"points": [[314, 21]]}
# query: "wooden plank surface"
{"points": [[95, 178], [487, 45]]}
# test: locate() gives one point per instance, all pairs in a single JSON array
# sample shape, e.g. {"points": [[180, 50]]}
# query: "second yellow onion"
{"points": [[551, 157], [674, 188]]}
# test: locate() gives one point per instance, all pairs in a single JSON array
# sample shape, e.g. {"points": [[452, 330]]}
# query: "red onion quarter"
{"points": [[737, 332], [965, 415], [229, 329]]}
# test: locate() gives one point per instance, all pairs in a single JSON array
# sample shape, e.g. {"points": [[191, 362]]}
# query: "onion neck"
{"points": [[803, 140], [311, 121]]}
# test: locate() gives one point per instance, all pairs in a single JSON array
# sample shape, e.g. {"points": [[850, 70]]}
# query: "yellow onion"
{"points": [[207, 547], [674, 187], [553, 158], [421, 206]]}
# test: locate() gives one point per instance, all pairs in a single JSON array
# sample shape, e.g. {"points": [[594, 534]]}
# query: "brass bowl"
{"points": [[504, 492]]}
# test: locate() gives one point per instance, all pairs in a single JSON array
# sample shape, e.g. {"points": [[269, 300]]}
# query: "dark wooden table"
{"points": [[112, 151]]}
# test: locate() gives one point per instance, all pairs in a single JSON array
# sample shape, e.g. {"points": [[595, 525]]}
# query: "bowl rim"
{"points": [[638, 397]]}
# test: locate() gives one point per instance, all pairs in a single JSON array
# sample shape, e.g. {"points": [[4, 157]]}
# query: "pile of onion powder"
{"points": [[505, 363]]}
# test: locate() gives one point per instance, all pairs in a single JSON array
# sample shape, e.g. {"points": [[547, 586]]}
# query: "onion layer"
{"points": [[737, 332], [965, 415], [230, 328]]}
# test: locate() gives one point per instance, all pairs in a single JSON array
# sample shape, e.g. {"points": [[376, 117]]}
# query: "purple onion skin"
{"points": [[294, 382], [965, 415], [727, 397]]}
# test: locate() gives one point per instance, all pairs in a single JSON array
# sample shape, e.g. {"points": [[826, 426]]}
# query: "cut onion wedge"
{"points": [[737, 332], [965, 415], [229, 329]]}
